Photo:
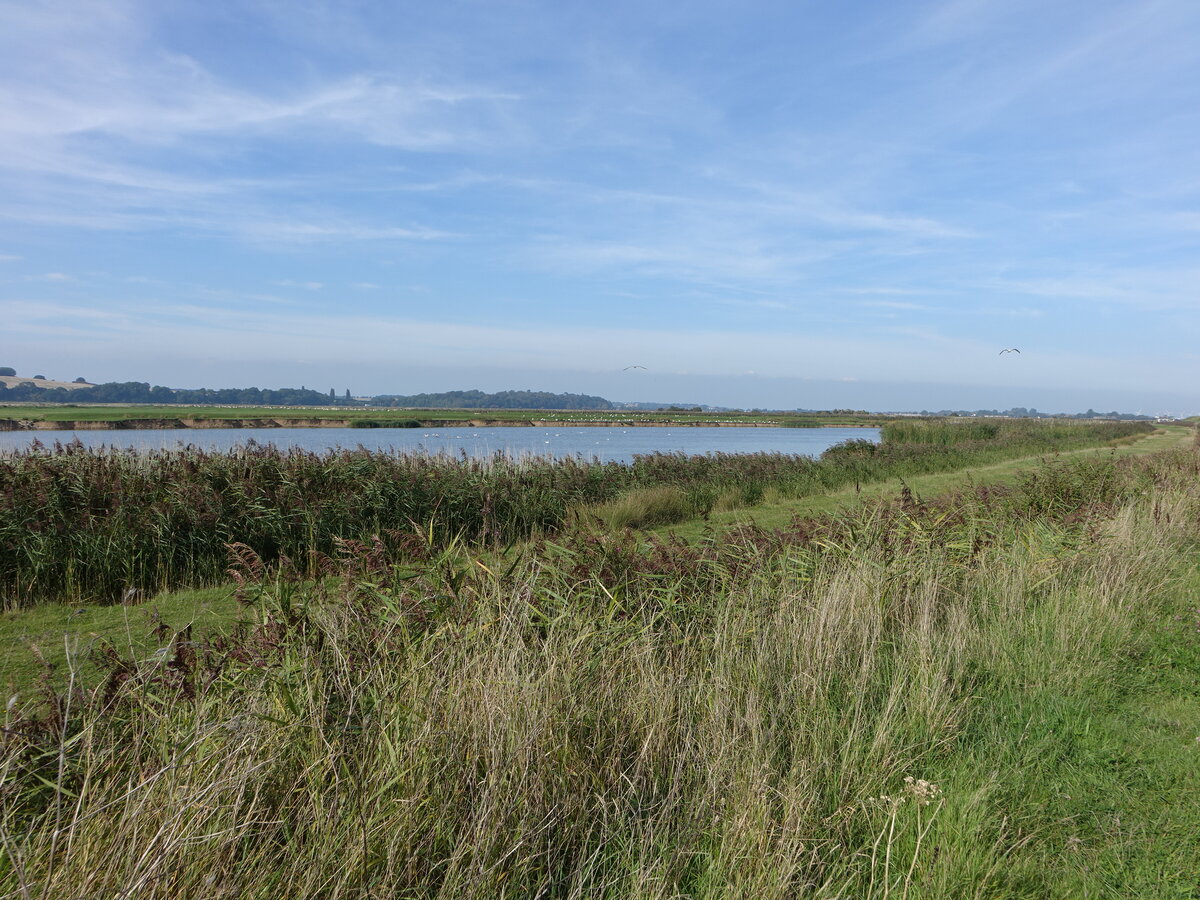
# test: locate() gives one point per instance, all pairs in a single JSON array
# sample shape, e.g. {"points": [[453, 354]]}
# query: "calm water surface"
{"points": [[607, 444]]}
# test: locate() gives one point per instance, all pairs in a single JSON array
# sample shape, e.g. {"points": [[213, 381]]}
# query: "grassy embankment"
{"points": [[991, 696], [84, 525], [776, 511], [45, 626]]}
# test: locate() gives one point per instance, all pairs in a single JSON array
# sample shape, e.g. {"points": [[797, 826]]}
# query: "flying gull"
{"points": [[627, 368], [1009, 350]]}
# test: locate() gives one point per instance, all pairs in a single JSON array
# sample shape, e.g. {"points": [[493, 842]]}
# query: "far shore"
{"points": [[306, 422]]}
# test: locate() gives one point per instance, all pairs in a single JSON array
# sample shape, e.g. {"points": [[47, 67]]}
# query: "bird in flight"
{"points": [[627, 368], [1009, 350]]}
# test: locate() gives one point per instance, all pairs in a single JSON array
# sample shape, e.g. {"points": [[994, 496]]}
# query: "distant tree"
{"points": [[501, 400], [8, 372], [39, 377], [80, 381]]}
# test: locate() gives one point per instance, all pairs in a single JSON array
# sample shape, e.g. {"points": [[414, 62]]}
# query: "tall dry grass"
{"points": [[810, 713]]}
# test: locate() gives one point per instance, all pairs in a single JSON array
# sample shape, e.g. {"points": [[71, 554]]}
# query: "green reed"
{"points": [[853, 707], [94, 525]]}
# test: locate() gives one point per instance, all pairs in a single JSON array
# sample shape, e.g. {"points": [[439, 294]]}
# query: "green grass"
{"points": [[994, 696], [780, 512], [1108, 766], [643, 507], [63, 635], [91, 523]]}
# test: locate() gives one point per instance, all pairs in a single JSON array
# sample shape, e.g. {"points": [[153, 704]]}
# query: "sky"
{"points": [[766, 204]]}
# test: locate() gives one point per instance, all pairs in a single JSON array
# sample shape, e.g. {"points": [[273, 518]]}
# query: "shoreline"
{"points": [[266, 423]]}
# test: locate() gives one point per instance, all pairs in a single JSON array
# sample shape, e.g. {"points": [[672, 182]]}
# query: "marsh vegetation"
{"points": [[93, 524], [986, 695]]}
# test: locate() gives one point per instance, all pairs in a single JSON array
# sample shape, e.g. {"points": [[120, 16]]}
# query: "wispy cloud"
{"points": [[971, 169], [895, 304], [1142, 288], [307, 285], [100, 128], [921, 353]]}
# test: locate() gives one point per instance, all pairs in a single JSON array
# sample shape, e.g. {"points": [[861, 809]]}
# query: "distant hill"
{"points": [[12, 381], [20, 389], [500, 400]]}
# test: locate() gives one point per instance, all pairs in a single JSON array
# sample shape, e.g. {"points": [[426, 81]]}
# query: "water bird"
{"points": [[1009, 350], [627, 368]]}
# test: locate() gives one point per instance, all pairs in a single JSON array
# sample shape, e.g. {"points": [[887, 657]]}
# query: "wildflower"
{"points": [[922, 791]]}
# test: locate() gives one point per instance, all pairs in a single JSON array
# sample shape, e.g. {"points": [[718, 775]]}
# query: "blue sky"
{"points": [[766, 204]]}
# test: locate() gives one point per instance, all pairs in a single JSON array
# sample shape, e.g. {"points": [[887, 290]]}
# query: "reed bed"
{"points": [[1047, 433], [835, 710], [90, 525]]}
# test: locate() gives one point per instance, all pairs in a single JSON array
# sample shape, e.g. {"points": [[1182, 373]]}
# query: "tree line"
{"points": [[499, 400], [143, 392]]}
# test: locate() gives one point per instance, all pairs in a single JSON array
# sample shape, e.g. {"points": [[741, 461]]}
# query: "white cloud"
{"points": [[269, 231], [102, 75]]}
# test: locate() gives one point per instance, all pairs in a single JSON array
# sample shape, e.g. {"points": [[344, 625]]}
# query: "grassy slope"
{"points": [[55, 630], [778, 514], [1095, 761], [1126, 764]]}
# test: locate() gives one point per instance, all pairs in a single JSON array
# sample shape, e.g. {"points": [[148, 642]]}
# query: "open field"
{"points": [[45, 384], [990, 695]]}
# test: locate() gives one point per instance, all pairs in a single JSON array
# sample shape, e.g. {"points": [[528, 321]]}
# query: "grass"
{"points": [[990, 696], [640, 508], [89, 524], [779, 510], [52, 637], [1117, 756], [662, 511]]}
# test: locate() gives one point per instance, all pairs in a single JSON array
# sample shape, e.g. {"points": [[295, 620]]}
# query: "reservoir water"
{"points": [[607, 443]]}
